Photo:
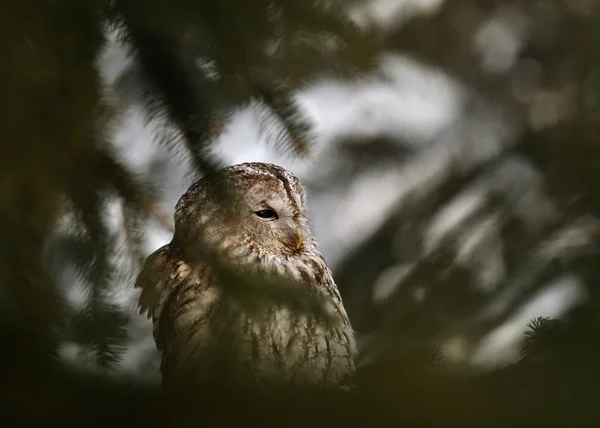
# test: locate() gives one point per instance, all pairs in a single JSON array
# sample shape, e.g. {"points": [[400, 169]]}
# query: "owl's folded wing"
{"points": [[161, 273]]}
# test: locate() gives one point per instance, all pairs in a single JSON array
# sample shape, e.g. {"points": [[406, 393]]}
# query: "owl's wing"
{"points": [[185, 328], [162, 272], [179, 299]]}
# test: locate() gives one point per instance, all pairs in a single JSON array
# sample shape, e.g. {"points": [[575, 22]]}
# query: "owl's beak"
{"points": [[294, 241], [299, 238]]}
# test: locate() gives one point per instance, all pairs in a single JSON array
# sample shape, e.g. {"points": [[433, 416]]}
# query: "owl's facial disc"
{"points": [[274, 225]]}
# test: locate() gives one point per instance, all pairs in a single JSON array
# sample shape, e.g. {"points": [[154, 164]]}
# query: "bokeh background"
{"points": [[452, 188]]}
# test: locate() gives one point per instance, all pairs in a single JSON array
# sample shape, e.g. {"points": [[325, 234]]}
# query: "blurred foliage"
{"points": [[548, 88], [557, 390], [200, 59]]}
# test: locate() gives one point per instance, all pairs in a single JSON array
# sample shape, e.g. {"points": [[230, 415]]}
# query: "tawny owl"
{"points": [[232, 293]]}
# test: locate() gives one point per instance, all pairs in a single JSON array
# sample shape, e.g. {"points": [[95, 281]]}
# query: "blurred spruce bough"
{"points": [[198, 58], [552, 385]]}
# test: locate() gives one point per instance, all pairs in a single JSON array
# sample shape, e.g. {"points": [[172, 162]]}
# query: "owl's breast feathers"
{"points": [[195, 320]]}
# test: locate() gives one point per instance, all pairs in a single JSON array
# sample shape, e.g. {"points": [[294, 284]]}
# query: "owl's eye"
{"points": [[266, 214]]}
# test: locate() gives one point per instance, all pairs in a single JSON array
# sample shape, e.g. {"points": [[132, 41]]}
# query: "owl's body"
{"points": [[242, 290]]}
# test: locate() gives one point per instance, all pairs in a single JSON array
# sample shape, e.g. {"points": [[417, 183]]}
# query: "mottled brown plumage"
{"points": [[242, 291]]}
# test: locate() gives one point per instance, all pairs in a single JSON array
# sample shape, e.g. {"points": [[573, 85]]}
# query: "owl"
{"points": [[242, 291]]}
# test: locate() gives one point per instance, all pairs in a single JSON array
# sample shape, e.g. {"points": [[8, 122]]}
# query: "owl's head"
{"points": [[263, 212]]}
